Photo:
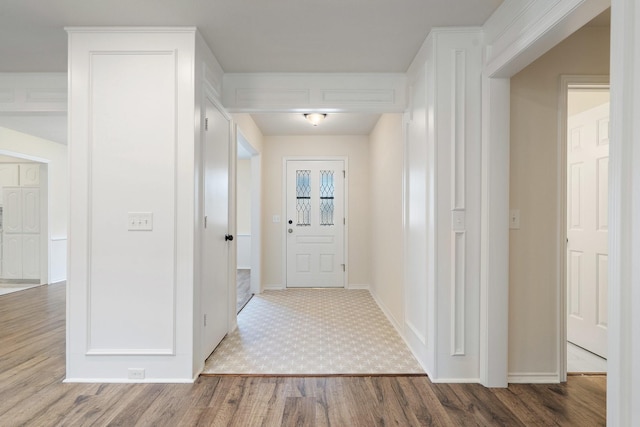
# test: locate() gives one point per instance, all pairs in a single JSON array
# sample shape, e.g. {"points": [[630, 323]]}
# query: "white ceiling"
{"points": [[247, 35], [250, 36]]}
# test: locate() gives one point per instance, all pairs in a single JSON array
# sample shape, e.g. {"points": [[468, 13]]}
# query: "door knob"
{"points": [[228, 237]]}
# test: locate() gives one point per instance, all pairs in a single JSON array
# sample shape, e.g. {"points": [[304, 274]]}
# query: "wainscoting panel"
{"points": [[125, 264]]}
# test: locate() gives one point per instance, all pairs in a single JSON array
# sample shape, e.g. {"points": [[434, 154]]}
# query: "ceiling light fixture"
{"points": [[315, 118]]}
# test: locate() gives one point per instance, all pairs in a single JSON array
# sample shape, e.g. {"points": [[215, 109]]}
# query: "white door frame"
{"points": [[208, 95], [256, 211], [566, 82], [283, 222], [517, 50]]}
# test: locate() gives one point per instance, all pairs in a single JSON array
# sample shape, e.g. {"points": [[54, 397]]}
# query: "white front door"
{"points": [[315, 223], [215, 283], [587, 222]]}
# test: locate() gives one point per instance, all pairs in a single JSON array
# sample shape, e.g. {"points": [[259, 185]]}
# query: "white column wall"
{"points": [[443, 205], [131, 149], [623, 379]]}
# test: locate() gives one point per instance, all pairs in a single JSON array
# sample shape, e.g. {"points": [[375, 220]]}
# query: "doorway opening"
{"points": [[24, 250], [586, 147], [246, 219]]}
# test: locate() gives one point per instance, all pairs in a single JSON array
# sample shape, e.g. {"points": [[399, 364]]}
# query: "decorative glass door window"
{"points": [[326, 197], [303, 197]]}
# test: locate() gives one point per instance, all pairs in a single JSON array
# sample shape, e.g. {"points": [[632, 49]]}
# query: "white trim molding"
{"points": [[623, 385], [33, 92], [314, 92], [534, 378], [515, 35]]}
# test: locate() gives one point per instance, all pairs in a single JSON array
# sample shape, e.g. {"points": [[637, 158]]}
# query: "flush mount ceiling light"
{"points": [[315, 118]]}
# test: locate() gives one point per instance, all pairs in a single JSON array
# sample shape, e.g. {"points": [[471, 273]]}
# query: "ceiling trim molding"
{"points": [[33, 92], [314, 92]]}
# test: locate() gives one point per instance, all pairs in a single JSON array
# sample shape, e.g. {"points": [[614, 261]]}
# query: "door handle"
{"points": [[228, 237]]}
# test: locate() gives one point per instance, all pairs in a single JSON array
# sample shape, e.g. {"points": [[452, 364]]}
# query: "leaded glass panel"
{"points": [[326, 197], [303, 197]]}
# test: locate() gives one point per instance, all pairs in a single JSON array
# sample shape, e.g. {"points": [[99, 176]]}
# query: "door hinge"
{"points": [[206, 123], [344, 267], [205, 221], [344, 221], [205, 320], [344, 173]]}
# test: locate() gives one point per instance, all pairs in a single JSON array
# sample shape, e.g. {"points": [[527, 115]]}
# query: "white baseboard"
{"points": [[533, 378], [273, 287], [455, 380], [128, 381], [387, 313], [356, 286]]}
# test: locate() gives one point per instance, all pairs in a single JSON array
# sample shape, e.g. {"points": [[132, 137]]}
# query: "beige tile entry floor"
{"points": [[312, 332]]}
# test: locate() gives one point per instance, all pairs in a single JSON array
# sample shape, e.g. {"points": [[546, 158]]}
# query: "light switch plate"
{"points": [[514, 219], [276, 218], [140, 221], [458, 220]]}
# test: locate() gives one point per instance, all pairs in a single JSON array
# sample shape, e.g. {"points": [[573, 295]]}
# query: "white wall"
{"points": [[443, 205], [243, 200], [132, 149], [356, 148], [387, 227], [56, 157], [534, 260], [243, 184]]}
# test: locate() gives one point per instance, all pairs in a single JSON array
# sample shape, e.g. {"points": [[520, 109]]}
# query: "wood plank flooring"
{"points": [[32, 367]]}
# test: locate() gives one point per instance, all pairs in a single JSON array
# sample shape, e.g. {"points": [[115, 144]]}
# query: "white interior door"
{"points": [[215, 280], [587, 222], [315, 223]]}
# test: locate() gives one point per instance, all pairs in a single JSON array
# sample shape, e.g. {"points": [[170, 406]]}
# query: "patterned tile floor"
{"points": [[312, 332], [580, 360]]}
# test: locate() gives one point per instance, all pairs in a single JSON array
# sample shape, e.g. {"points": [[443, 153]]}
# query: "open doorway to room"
{"points": [[586, 117], [247, 221], [541, 264], [24, 252]]}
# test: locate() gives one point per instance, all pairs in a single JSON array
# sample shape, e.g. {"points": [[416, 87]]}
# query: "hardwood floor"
{"points": [[32, 367]]}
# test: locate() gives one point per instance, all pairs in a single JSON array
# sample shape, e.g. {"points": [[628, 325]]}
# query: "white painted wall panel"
{"points": [[132, 148], [132, 170], [417, 229]]}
